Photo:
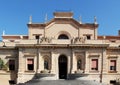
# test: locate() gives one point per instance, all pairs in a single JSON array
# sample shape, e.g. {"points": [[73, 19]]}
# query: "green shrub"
{"points": [[3, 66]]}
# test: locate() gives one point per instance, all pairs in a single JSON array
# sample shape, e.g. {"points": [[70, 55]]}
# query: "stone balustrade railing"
{"points": [[46, 40]]}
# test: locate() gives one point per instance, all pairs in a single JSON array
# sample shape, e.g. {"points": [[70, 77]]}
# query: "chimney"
{"points": [[118, 32]]}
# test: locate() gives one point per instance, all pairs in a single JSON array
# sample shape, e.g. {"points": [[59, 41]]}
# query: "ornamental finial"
{"points": [[30, 20], [95, 20], [3, 32], [80, 20], [46, 18]]}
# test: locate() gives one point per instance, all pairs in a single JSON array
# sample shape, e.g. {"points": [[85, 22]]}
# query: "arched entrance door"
{"points": [[62, 67]]}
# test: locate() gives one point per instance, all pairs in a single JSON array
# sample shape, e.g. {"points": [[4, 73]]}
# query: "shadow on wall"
{"points": [[36, 78], [30, 81], [5, 67], [13, 77]]}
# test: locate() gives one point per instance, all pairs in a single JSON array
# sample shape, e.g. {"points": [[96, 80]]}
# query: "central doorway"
{"points": [[62, 67]]}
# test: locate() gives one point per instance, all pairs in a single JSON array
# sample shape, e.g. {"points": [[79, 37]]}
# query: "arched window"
{"points": [[63, 36], [79, 63]]}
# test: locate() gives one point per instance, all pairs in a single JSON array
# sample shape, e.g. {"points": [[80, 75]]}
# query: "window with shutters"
{"points": [[94, 64]]}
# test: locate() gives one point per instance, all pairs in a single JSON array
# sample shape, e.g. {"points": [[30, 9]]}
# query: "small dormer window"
{"points": [[88, 37], [37, 37], [63, 36]]}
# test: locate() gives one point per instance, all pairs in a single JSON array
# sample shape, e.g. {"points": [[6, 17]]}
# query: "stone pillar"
{"points": [[44, 32], [87, 62], [20, 66], [96, 34], [38, 61], [104, 61], [53, 62], [73, 61], [78, 32]]}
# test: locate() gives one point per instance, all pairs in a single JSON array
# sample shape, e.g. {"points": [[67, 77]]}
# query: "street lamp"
{"points": [[3, 43]]}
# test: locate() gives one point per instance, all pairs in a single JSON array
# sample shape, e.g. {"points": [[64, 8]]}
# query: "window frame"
{"points": [[94, 56], [46, 58], [27, 64], [63, 36], [37, 37], [88, 35], [97, 62], [115, 67], [12, 67], [79, 65]]}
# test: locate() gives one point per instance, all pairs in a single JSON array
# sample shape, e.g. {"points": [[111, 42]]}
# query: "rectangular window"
{"points": [[12, 65], [88, 37], [94, 64], [37, 37], [112, 65], [30, 64]]}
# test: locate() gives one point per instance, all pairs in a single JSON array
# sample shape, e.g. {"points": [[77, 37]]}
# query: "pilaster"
{"points": [[78, 32], [87, 62], [53, 61], [21, 66], [73, 61], [104, 61], [38, 61]]}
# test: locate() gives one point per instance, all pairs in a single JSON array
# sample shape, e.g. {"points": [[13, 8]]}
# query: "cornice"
{"points": [[8, 48], [62, 45], [113, 48]]}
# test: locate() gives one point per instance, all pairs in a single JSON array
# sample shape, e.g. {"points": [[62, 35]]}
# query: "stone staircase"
{"points": [[62, 82]]}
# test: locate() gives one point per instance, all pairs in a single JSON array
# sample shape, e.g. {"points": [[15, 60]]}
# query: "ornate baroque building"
{"points": [[61, 48]]}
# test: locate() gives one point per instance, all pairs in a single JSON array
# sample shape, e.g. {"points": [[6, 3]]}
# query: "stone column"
{"points": [[38, 61], [87, 62], [20, 66], [52, 62], [73, 61], [78, 32], [104, 60], [41, 65]]}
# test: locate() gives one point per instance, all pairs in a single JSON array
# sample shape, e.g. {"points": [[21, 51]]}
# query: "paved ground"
{"points": [[62, 82]]}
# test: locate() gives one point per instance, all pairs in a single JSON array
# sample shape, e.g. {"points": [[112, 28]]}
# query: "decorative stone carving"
{"points": [[45, 71], [78, 40], [45, 40], [79, 71]]}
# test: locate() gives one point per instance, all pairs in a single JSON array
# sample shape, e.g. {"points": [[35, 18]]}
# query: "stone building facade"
{"points": [[62, 48]]}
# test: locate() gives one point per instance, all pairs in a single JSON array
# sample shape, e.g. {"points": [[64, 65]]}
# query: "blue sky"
{"points": [[14, 14]]}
